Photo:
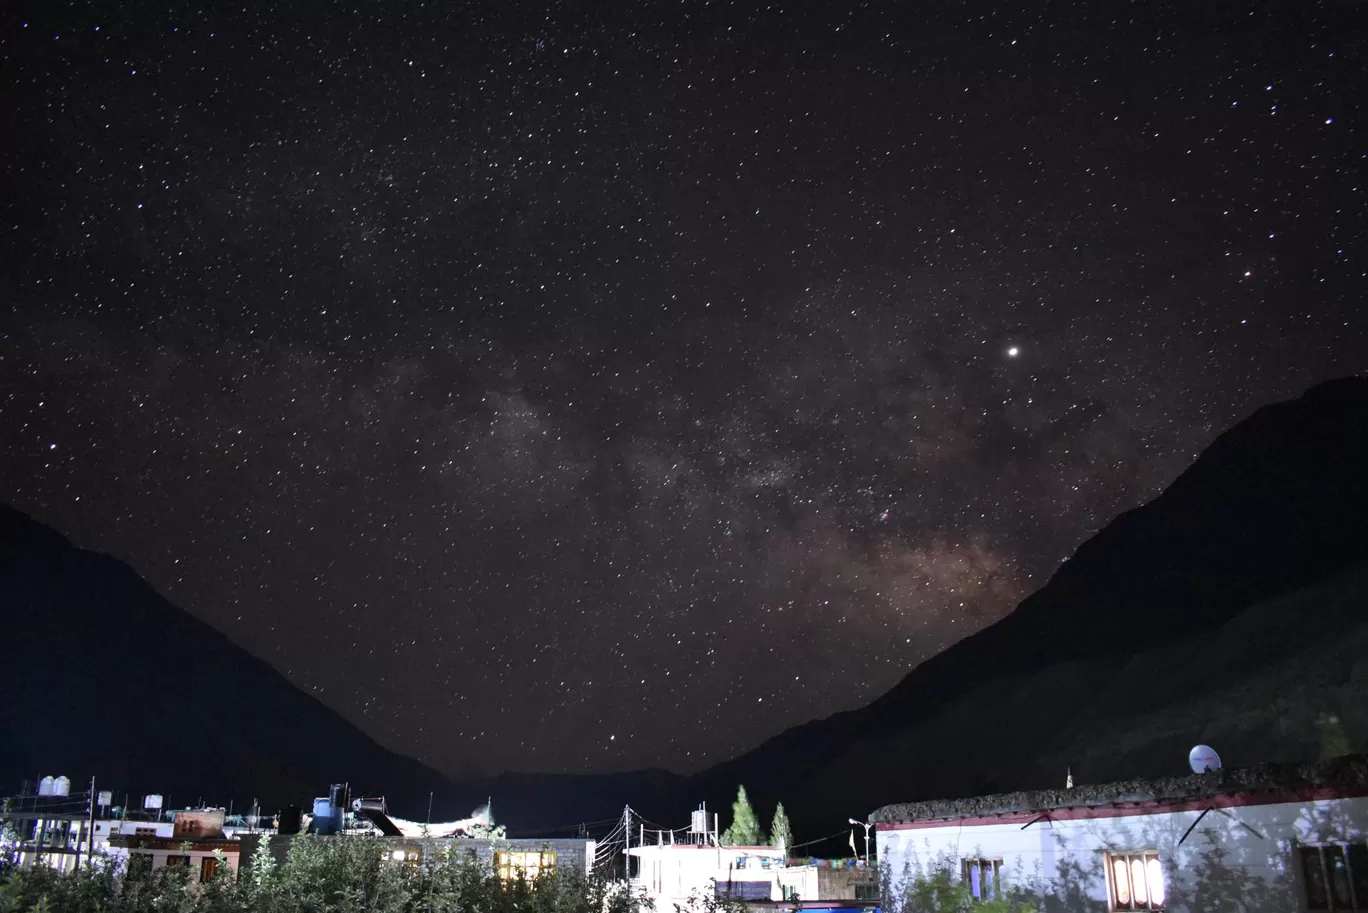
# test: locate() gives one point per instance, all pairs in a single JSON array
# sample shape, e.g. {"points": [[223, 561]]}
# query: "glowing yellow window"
{"points": [[1135, 881], [510, 864]]}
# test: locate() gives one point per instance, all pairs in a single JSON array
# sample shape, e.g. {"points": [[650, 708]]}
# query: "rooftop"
{"points": [[1347, 775]]}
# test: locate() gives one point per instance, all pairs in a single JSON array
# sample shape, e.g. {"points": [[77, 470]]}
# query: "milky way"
{"points": [[593, 386]]}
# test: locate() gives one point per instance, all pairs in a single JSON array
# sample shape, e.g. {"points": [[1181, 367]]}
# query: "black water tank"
{"points": [[289, 820]]}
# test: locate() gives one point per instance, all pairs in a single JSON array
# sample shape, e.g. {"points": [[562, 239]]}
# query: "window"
{"points": [[410, 857], [982, 877], [1336, 877], [866, 892], [510, 864], [1135, 881], [208, 868]]}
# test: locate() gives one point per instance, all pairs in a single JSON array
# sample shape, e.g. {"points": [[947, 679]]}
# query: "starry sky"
{"points": [[582, 386]]}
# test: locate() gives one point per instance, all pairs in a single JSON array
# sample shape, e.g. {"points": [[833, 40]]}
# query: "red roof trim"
{"points": [[1130, 809], [772, 850]]}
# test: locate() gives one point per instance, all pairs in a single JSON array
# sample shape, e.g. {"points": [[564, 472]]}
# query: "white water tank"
{"points": [[45, 786], [61, 786], [152, 801]]}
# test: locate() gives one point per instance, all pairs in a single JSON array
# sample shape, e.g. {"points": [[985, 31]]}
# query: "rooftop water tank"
{"points": [[61, 786], [325, 816], [45, 786]]}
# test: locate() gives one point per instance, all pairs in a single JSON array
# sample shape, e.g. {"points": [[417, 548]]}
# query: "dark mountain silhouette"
{"points": [[106, 677], [103, 676], [1230, 609]]}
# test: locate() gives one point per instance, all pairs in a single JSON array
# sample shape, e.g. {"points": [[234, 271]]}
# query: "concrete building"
{"points": [[670, 873], [196, 841], [62, 831], [820, 882], [1269, 839]]}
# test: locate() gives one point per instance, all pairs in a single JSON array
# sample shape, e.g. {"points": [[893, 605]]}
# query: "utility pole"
{"points": [[90, 835], [429, 817]]}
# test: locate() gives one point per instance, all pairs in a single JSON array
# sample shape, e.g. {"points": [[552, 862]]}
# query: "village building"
{"points": [[53, 828], [1267, 839], [197, 842], [679, 874], [827, 884], [675, 873]]}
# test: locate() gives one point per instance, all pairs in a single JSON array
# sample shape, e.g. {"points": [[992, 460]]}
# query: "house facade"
{"points": [[671, 874], [822, 880], [1271, 839], [196, 841]]}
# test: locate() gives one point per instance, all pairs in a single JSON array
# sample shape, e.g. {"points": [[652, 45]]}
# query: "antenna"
{"points": [[1203, 759]]}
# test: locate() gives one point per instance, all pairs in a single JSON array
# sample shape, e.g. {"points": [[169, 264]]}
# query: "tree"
{"points": [[1333, 742], [745, 827], [781, 834]]}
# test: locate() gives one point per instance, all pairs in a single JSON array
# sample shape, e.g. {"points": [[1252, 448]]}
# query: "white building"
{"points": [[671, 874], [1277, 838], [196, 841], [833, 881]]}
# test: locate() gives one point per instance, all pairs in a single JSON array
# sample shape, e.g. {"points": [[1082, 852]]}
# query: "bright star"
{"points": [[1013, 352]]}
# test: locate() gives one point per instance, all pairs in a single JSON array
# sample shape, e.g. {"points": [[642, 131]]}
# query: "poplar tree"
{"points": [[781, 834], [745, 828]]}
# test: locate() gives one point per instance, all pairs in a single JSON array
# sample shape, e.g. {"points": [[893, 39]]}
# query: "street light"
{"points": [[866, 825]]}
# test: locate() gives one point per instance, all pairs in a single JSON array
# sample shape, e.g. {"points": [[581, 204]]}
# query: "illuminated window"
{"points": [[410, 856], [511, 864], [1336, 877], [1135, 881], [981, 875], [208, 868]]}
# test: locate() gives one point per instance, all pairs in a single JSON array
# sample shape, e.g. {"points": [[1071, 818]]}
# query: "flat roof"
{"points": [[1340, 777]]}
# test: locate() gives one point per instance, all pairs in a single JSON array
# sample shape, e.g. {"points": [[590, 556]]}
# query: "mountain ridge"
{"points": [[65, 601], [1275, 503]]}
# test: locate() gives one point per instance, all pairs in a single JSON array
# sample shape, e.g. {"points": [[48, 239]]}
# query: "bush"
{"points": [[941, 892], [351, 875]]}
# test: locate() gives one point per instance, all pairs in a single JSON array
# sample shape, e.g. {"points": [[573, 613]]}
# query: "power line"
{"points": [[818, 840]]}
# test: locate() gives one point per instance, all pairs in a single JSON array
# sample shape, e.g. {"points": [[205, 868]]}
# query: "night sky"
{"points": [[586, 386]]}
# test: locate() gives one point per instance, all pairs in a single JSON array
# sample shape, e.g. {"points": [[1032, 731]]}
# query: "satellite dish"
{"points": [[1203, 759]]}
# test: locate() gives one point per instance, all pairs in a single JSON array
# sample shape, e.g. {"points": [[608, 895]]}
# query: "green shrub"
{"points": [[942, 892], [352, 875]]}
